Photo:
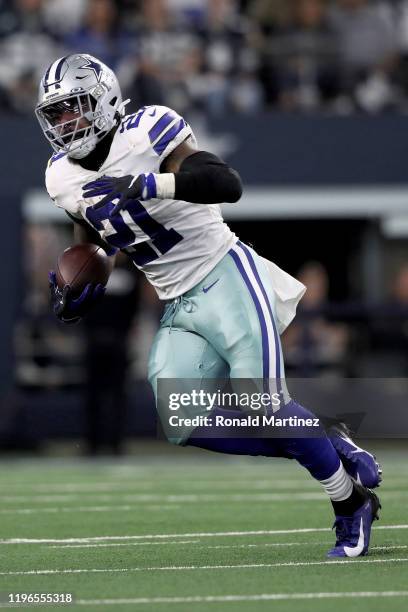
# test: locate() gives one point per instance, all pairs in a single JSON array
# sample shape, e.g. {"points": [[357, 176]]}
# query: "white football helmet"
{"points": [[79, 102]]}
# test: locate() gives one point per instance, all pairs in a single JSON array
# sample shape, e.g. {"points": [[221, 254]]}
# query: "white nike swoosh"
{"points": [[357, 449], [356, 550]]}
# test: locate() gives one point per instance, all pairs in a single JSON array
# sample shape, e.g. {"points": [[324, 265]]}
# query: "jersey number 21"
{"points": [[161, 239]]}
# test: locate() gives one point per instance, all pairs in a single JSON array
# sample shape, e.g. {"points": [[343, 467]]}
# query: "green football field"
{"points": [[189, 531]]}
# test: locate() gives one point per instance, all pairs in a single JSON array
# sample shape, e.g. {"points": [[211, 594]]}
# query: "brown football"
{"points": [[82, 264]]}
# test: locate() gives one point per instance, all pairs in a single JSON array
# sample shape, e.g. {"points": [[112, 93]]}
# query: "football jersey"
{"points": [[175, 243]]}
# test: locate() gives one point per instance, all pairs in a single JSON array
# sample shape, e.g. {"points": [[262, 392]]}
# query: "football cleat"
{"points": [[358, 463], [353, 532]]}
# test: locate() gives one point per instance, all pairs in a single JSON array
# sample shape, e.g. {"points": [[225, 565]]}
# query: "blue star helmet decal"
{"points": [[91, 65]]}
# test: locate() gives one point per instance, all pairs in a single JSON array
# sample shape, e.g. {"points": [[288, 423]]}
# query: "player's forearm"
{"points": [[203, 178], [84, 234]]}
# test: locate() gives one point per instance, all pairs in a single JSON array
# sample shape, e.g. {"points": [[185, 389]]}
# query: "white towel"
{"points": [[288, 293]]}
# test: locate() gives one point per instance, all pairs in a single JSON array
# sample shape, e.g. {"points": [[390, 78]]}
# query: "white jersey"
{"points": [[175, 243]]}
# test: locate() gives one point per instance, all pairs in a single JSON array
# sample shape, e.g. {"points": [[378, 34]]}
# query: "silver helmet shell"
{"points": [[78, 104]]}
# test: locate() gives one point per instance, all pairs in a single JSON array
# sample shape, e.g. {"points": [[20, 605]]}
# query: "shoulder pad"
{"points": [[54, 158]]}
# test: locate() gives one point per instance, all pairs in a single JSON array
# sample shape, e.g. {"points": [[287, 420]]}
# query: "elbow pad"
{"points": [[205, 179]]}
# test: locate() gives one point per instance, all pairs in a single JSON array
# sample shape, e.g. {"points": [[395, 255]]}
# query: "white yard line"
{"points": [[146, 482], [170, 502], [221, 546], [46, 499], [239, 598], [164, 542], [175, 501], [135, 483], [235, 598], [20, 491], [127, 544], [190, 497], [127, 495], [390, 547], [74, 509], [247, 495], [267, 545], [157, 536], [301, 495], [71, 487], [344, 562]]}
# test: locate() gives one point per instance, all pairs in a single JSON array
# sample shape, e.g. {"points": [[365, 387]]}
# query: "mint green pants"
{"points": [[223, 327]]}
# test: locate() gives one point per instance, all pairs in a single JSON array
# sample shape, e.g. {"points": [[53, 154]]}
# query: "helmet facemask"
{"points": [[71, 124]]}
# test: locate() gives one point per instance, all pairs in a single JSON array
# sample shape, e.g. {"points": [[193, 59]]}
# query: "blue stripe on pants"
{"points": [[262, 288], [264, 331]]}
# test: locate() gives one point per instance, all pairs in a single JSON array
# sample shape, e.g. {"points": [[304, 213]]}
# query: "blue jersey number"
{"points": [[132, 121], [161, 238]]}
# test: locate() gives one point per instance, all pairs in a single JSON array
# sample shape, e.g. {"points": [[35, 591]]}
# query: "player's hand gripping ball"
{"points": [[78, 282]]}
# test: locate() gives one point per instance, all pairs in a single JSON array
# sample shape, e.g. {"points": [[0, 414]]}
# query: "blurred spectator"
{"points": [[268, 17], [166, 54], [269, 13], [304, 52], [63, 16], [390, 331], [101, 35], [26, 47], [229, 63], [218, 56], [368, 47], [312, 343], [190, 11], [400, 286], [402, 40]]}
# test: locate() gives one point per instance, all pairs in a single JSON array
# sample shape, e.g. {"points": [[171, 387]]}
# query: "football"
{"points": [[82, 264]]}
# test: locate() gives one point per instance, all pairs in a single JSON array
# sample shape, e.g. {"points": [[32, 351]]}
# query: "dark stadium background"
{"points": [[319, 136]]}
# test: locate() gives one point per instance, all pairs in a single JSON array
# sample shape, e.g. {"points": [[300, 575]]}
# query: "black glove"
{"points": [[70, 309], [124, 188]]}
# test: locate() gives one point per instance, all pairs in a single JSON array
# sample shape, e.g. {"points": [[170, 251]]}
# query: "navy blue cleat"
{"points": [[353, 532], [358, 463]]}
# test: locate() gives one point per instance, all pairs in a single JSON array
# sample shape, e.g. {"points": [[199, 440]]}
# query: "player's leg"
{"points": [[185, 356], [355, 506], [180, 354], [234, 309]]}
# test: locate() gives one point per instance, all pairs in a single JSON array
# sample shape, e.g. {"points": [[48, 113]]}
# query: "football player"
{"points": [[139, 183]]}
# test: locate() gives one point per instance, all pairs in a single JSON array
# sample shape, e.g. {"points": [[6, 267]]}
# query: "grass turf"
{"points": [[174, 526]]}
